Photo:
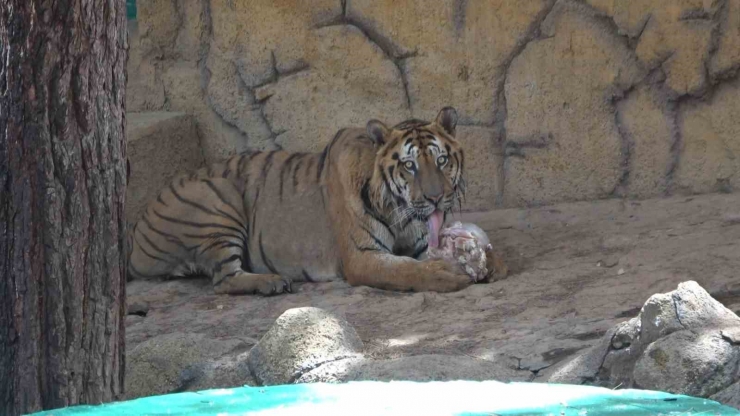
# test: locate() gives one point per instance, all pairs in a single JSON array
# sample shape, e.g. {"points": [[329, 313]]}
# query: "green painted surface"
{"points": [[411, 398], [131, 9]]}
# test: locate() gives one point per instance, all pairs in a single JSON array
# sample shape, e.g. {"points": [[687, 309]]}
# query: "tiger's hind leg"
{"points": [[199, 226], [230, 278]]}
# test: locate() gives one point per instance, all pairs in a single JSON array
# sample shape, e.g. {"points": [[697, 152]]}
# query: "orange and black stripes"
{"points": [[259, 216], [200, 215]]}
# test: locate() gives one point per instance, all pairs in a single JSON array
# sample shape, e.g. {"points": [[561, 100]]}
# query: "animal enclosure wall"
{"points": [[559, 100]]}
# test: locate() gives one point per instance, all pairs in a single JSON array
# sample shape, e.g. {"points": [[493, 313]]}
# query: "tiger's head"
{"points": [[421, 166]]}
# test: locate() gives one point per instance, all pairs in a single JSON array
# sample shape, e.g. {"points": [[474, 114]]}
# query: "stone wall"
{"points": [[559, 100]]}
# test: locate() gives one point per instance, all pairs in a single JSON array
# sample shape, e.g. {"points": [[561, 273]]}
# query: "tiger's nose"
{"points": [[434, 199]]}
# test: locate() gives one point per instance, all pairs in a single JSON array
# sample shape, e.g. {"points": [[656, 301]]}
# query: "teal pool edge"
{"points": [[405, 397]]}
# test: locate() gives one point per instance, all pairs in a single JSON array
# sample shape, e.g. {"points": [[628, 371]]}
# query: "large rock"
{"points": [[301, 340], [144, 89], [729, 396], [159, 25], [726, 59], [711, 142], [183, 82], [235, 103], [682, 342], [161, 145], [646, 123], [484, 162], [696, 364], [184, 362], [169, 44], [675, 36], [451, 52], [583, 99], [347, 81], [582, 152], [278, 33]]}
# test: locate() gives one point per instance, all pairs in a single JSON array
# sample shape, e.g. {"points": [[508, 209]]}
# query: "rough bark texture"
{"points": [[63, 180]]}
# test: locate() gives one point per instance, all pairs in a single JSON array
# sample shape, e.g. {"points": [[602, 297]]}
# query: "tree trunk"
{"points": [[62, 187]]}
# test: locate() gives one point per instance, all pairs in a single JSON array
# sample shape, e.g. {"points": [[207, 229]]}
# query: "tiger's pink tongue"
{"points": [[434, 223]]}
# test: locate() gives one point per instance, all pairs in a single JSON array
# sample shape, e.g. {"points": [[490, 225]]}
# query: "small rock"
{"points": [[607, 263], [626, 333], [138, 308], [620, 272], [300, 340]]}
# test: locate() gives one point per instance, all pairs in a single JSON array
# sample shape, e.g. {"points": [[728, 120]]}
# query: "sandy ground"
{"points": [[576, 270]]}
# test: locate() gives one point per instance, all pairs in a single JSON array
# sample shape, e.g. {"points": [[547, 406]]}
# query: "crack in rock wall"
{"points": [[559, 100]]}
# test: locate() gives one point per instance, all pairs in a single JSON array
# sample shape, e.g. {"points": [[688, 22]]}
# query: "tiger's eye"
{"points": [[442, 160], [409, 165]]}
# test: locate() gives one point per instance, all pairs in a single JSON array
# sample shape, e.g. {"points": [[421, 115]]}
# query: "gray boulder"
{"points": [[681, 342], [694, 363], [301, 340], [184, 362]]}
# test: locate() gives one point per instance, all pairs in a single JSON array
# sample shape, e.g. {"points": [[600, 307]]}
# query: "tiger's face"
{"points": [[421, 165]]}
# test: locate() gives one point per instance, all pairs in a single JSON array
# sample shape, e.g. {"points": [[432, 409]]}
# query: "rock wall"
{"points": [[559, 100]]}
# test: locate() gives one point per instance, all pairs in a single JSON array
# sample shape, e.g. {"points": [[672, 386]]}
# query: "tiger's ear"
{"points": [[447, 119], [377, 131]]}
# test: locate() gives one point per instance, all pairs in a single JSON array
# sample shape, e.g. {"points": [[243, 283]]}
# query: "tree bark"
{"points": [[62, 188]]}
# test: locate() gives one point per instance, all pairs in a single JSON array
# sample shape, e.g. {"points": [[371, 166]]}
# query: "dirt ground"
{"points": [[576, 270]]}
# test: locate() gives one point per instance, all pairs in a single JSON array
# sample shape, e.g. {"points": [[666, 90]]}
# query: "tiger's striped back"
{"points": [[364, 209], [216, 218]]}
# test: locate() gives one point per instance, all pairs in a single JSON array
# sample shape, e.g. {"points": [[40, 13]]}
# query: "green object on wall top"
{"points": [[131, 9]]}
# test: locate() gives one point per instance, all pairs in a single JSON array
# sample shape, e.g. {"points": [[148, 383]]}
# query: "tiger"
{"points": [[365, 210]]}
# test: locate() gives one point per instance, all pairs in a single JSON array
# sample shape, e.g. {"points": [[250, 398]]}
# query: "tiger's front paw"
{"points": [[445, 275], [273, 284], [254, 284]]}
